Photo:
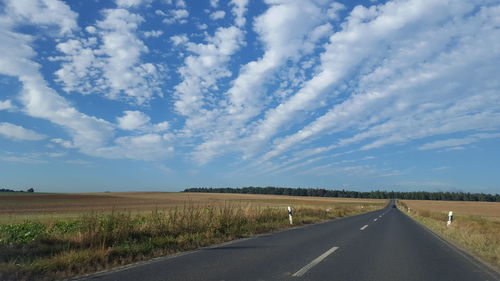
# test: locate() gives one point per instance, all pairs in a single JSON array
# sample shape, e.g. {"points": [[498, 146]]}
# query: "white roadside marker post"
{"points": [[290, 214], [450, 218]]}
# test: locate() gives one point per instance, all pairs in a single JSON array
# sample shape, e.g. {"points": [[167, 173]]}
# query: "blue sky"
{"points": [[162, 95]]}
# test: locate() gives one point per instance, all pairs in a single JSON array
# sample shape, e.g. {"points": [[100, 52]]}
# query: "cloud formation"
{"points": [[292, 85]]}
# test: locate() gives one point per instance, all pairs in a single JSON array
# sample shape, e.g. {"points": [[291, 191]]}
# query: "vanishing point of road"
{"points": [[382, 245]]}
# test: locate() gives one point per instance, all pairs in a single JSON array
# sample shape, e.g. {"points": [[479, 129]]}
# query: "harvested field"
{"points": [[488, 210], [18, 207]]}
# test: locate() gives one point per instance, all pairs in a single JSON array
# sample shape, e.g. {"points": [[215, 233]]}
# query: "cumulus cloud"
{"points": [[42, 12], [15, 132], [89, 134], [6, 105], [137, 120], [239, 9], [179, 39], [132, 3], [217, 15], [153, 33], [175, 16], [112, 66], [204, 67]]}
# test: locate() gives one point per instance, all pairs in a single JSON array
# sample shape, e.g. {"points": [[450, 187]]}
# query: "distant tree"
{"points": [[30, 190]]}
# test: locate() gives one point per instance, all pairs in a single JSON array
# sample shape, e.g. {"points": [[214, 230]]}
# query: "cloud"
{"points": [[153, 33], [284, 30], [457, 142], [179, 39], [217, 15], [147, 147], [15, 132], [42, 12], [6, 105], [175, 16], [416, 90], [204, 67], [132, 3], [214, 3], [113, 65], [63, 143], [22, 159], [37, 99], [239, 9], [137, 120]]}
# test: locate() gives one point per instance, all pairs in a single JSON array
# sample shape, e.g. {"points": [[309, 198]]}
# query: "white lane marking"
{"points": [[363, 228], [375, 220], [317, 260]]}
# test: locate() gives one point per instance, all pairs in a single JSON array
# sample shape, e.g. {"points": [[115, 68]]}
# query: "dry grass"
{"points": [[488, 210], [116, 229], [45, 207], [475, 227]]}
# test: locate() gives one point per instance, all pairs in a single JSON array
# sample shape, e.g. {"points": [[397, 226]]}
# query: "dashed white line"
{"points": [[317, 260], [375, 220], [363, 228]]}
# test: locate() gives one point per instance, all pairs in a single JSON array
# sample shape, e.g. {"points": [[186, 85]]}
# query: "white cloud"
{"points": [[148, 147], [202, 26], [37, 98], [214, 3], [113, 65], [42, 12], [132, 120], [15, 132], [217, 15], [284, 30], [397, 85], [153, 33], [6, 105], [132, 3], [335, 8], [137, 120], [179, 39], [22, 159], [201, 70], [239, 9], [176, 16], [63, 143], [458, 142]]}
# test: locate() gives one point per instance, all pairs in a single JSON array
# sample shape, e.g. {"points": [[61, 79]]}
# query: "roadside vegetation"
{"points": [[477, 234], [49, 250]]}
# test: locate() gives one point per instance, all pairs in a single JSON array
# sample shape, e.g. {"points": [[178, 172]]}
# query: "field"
{"points": [[487, 210], [54, 236], [475, 228], [17, 207]]}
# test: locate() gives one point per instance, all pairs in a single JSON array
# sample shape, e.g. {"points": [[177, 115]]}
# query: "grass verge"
{"points": [[61, 249], [473, 233]]}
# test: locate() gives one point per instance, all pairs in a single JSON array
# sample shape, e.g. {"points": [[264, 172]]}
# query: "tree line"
{"points": [[378, 194], [11, 190]]}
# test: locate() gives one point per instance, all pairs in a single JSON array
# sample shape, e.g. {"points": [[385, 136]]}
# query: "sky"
{"points": [[162, 95]]}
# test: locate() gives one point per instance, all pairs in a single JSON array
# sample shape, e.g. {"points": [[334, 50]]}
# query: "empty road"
{"points": [[382, 245]]}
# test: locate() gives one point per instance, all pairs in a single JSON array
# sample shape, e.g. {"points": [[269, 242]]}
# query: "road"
{"points": [[382, 245]]}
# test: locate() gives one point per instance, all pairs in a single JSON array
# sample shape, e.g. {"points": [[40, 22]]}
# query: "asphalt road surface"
{"points": [[382, 245]]}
